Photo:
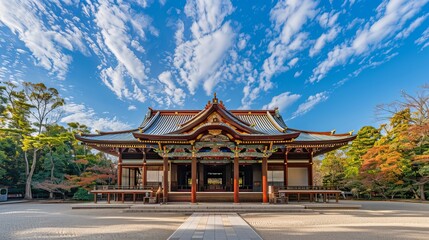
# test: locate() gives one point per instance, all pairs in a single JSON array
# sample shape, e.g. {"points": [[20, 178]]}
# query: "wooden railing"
{"points": [[116, 187], [308, 187]]}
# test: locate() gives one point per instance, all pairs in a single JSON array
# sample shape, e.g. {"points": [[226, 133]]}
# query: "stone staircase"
{"points": [[210, 207]]}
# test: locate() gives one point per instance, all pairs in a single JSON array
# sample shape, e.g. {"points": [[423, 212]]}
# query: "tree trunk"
{"points": [[422, 192], [28, 193], [51, 193], [27, 166]]}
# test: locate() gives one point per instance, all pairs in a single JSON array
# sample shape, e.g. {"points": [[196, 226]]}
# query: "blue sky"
{"points": [[324, 64]]}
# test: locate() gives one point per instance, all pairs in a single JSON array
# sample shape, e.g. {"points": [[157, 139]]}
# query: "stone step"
{"points": [[217, 208], [240, 210]]}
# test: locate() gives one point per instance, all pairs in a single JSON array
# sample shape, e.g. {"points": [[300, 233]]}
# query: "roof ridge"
{"points": [[330, 133], [275, 123], [150, 122], [101, 133]]}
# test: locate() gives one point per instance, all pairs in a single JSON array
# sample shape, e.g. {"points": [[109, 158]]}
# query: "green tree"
{"points": [[333, 168], [14, 124], [58, 154], [365, 139], [44, 101]]}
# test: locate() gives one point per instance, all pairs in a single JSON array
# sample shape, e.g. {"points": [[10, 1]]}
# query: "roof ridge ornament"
{"points": [[215, 100]]}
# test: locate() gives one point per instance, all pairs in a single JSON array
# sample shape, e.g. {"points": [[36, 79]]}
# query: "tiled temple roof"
{"points": [[166, 122]]}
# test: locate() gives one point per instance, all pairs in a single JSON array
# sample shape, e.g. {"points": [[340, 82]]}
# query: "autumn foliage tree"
{"points": [[390, 160]]}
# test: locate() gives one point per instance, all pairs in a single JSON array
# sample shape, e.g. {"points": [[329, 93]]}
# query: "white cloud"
{"points": [[328, 19], [416, 23], [45, 41], [292, 62], [310, 103], [288, 18], [423, 40], [112, 19], [132, 108], [80, 113], [242, 42], [175, 95], [198, 60], [392, 15], [208, 15], [297, 74], [122, 29], [282, 101], [323, 39]]}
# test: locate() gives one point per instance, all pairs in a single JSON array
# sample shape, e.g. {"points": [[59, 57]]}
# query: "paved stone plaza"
{"points": [[215, 226], [376, 220]]}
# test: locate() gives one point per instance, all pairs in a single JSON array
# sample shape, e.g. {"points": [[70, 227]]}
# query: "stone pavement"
{"points": [[227, 226]]}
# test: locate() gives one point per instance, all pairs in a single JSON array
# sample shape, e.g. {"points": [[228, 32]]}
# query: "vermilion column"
{"points": [[236, 180], [120, 169], [144, 175], [285, 167], [194, 180], [165, 177], [264, 180], [144, 170]]}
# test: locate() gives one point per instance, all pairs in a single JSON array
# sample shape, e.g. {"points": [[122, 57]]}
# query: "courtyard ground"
{"points": [[375, 220]]}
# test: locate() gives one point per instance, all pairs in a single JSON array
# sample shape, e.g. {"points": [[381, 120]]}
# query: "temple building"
{"points": [[214, 154]]}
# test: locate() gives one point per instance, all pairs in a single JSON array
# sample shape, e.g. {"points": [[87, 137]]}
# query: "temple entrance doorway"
{"points": [[215, 178]]}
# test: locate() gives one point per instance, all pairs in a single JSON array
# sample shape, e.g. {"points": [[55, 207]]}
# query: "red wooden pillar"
{"points": [[144, 170], [165, 177], [310, 169], [264, 180], [236, 180], [194, 179], [285, 169], [144, 175], [120, 169]]}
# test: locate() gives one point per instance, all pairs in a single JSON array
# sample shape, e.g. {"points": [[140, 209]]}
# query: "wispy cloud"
{"points": [[328, 21], [198, 59], [311, 102], [46, 42], [132, 108], [85, 115], [288, 18], [415, 24], [423, 40], [282, 101], [175, 95], [392, 16], [118, 24]]}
